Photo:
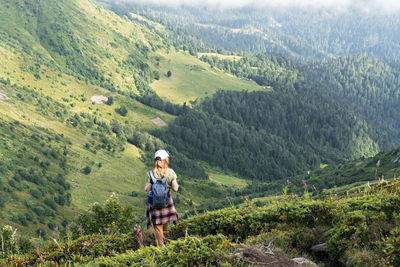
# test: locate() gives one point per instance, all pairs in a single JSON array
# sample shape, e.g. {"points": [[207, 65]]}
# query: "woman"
{"points": [[160, 217]]}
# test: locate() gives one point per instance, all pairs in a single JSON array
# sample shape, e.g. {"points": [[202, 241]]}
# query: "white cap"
{"points": [[162, 154]]}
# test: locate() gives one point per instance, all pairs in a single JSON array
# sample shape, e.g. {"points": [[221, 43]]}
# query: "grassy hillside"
{"points": [[332, 180], [80, 39], [60, 55], [357, 230], [357, 175], [56, 57], [191, 79]]}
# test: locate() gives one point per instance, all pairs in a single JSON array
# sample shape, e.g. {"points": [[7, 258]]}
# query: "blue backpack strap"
{"points": [[154, 180]]}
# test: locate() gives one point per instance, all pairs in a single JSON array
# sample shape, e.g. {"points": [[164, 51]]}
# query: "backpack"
{"points": [[160, 196]]}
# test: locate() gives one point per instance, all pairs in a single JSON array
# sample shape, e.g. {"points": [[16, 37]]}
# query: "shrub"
{"points": [[156, 75], [123, 111], [35, 193], [391, 247], [22, 219], [360, 258], [50, 203], [113, 216], [212, 250], [87, 170], [85, 248], [9, 240], [110, 100], [3, 200]]}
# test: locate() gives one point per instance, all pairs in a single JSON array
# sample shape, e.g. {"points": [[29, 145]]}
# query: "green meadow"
{"points": [[193, 79], [221, 178], [220, 56]]}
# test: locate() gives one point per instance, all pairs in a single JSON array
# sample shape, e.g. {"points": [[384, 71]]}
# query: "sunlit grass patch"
{"points": [[191, 79]]}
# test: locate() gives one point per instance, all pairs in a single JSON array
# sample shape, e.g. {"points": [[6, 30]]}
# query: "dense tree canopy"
{"points": [[270, 135]]}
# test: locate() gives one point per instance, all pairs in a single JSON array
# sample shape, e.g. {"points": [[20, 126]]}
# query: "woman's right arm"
{"points": [[147, 188]]}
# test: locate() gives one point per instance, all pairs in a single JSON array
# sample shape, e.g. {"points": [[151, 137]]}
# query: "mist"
{"points": [[390, 6]]}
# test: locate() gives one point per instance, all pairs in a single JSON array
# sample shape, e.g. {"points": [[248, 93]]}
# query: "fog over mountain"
{"points": [[389, 6]]}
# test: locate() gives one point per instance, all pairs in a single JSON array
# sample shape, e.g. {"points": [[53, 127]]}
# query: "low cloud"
{"points": [[365, 5]]}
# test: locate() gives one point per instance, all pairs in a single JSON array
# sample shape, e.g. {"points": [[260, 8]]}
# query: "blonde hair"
{"points": [[160, 167]]}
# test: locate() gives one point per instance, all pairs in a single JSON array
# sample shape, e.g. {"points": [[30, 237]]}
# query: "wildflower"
{"points": [[378, 163], [288, 182], [138, 234], [54, 234], [304, 184], [108, 229], [56, 228], [36, 245]]}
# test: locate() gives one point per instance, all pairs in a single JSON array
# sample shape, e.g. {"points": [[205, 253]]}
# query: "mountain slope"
{"points": [[81, 39], [295, 31], [269, 136], [58, 58], [368, 86]]}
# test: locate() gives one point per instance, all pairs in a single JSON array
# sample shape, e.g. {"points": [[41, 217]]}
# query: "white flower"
{"points": [[8, 228]]}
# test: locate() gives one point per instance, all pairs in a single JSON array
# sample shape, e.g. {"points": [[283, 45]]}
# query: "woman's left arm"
{"points": [[175, 185]]}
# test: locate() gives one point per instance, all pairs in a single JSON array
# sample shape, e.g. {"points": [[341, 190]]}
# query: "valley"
{"points": [[274, 136]]}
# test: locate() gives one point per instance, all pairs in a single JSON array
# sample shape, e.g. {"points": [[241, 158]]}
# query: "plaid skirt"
{"points": [[163, 215]]}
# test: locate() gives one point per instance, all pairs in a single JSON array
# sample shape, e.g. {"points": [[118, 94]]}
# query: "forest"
{"points": [[303, 34], [268, 136], [314, 115], [306, 155]]}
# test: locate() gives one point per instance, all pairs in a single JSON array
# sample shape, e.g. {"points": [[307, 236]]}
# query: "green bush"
{"points": [[50, 203], [391, 247], [87, 170], [240, 223], [361, 258], [9, 241], [123, 111], [353, 229], [35, 193], [355, 223], [110, 100], [85, 248], [113, 217], [3, 200], [188, 251]]}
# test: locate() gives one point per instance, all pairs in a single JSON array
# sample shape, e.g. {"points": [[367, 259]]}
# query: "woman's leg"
{"points": [[165, 229], [160, 231], [158, 234]]}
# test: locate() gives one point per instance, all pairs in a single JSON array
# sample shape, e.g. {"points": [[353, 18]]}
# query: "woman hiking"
{"points": [[160, 206]]}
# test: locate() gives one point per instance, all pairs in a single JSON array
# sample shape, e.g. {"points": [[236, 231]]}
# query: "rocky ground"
{"points": [[254, 256]]}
